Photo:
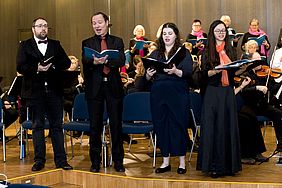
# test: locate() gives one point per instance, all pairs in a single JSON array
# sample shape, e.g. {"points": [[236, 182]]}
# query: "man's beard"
{"points": [[42, 36]]}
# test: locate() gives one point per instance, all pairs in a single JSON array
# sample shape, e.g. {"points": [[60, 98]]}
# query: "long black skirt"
{"points": [[219, 150]]}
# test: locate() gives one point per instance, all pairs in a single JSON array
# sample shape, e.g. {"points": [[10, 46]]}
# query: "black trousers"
{"points": [[51, 106], [96, 109], [251, 139]]}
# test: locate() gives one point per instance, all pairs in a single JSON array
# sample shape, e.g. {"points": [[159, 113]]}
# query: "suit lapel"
{"points": [[36, 50], [48, 50]]}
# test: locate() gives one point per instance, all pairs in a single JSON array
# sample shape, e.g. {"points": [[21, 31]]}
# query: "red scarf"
{"points": [[198, 34], [224, 59]]}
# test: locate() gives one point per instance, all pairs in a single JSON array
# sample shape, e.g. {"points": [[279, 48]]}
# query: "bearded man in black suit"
{"points": [[41, 60], [103, 83]]}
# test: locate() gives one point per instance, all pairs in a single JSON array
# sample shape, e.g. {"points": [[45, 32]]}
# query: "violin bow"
{"points": [[270, 65]]}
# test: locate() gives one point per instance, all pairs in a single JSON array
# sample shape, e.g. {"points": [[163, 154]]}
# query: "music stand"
{"points": [[276, 151], [279, 42]]}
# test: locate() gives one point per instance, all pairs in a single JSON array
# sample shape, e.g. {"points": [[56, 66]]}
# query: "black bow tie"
{"points": [[43, 41]]}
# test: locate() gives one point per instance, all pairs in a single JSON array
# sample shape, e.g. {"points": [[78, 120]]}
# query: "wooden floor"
{"points": [[139, 171]]}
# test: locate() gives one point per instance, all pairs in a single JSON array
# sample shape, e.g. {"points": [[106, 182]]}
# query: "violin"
{"points": [[266, 70], [124, 77], [240, 79]]}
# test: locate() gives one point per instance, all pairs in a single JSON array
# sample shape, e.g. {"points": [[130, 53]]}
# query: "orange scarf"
{"points": [[224, 59]]}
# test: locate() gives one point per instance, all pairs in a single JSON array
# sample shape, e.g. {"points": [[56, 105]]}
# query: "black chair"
{"points": [[2, 127], [137, 117], [195, 109]]}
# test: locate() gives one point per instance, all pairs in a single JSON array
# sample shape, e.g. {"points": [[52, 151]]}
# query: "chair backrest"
{"points": [[196, 105], [136, 107], [1, 111], [1, 115], [80, 110]]}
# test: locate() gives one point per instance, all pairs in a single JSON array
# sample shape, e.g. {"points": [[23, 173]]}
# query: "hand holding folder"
{"points": [[159, 66]]}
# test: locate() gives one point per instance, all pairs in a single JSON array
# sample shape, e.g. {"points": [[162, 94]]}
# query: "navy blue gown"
{"points": [[170, 107]]}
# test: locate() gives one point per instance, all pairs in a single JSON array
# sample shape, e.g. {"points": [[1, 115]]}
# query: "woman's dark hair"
{"points": [[161, 44], [210, 52]]}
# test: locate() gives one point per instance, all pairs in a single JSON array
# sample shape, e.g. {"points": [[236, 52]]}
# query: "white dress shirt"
{"points": [[42, 46]]}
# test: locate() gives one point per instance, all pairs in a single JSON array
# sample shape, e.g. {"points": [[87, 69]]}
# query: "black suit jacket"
{"points": [[27, 63], [93, 74]]}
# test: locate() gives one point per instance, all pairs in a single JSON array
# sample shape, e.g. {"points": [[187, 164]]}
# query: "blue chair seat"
{"points": [[262, 118], [28, 124], [77, 126], [137, 128]]}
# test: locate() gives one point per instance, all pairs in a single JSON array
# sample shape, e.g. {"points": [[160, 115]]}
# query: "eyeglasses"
{"points": [[196, 25], [41, 26], [220, 31]]}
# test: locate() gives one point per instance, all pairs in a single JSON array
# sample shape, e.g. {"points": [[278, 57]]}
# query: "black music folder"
{"points": [[159, 66], [238, 64]]}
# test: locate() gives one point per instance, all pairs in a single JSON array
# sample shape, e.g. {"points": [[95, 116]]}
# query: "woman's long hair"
{"points": [[161, 44], [211, 53]]}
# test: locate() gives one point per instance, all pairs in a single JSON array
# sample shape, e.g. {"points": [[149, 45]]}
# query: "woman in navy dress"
{"points": [[219, 151], [170, 99]]}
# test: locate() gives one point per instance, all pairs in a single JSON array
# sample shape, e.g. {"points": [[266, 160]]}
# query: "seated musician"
{"points": [[75, 87], [10, 113], [276, 88], [254, 104], [134, 81]]}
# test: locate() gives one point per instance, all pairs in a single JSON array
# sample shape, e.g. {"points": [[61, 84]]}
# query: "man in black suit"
{"points": [[40, 60], [103, 83]]}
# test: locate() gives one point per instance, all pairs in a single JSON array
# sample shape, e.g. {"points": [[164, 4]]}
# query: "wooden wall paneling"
{"points": [[155, 13], [8, 38], [274, 21], [187, 11], [122, 18], [74, 22], [29, 10]]}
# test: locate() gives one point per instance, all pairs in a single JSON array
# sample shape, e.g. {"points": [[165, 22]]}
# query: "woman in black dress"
{"points": [[219, 152], [170, 99]]}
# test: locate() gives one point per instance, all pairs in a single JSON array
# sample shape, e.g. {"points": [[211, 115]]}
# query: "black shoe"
{"points": [[119, 167], [181, 170], [261, 158], [95, 168], [133, 142], [37, 166], [248, 161], [65, 166], [279, 148], [215, 175], [163, 170]]}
